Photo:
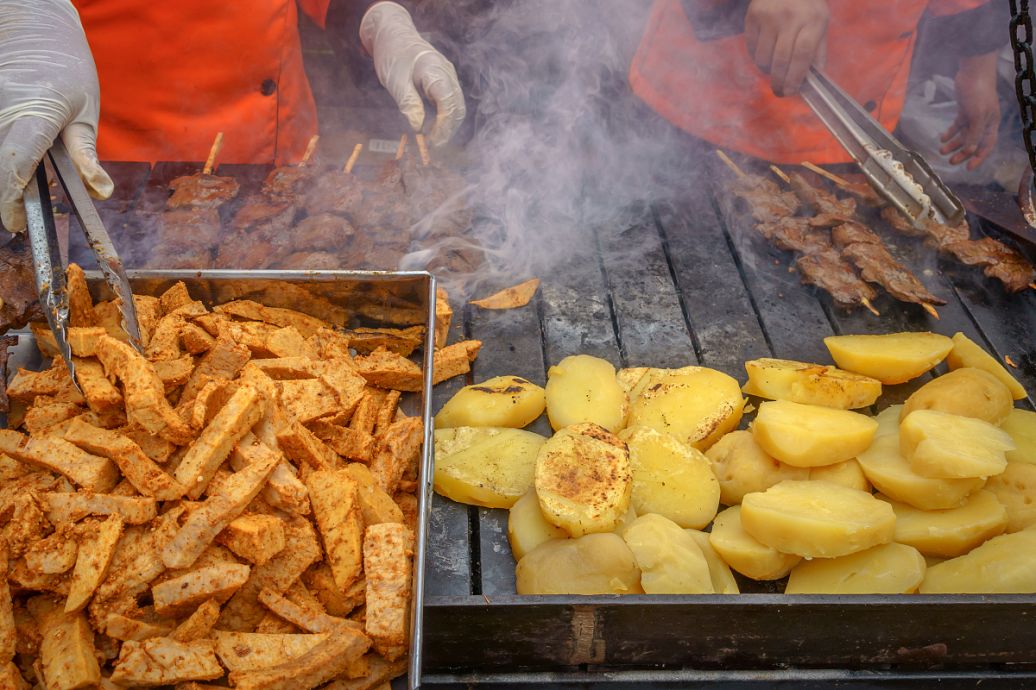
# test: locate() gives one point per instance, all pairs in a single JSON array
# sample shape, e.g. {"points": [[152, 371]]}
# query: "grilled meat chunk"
{"points": [[827, 271], [17, 285], [200, 189], [861, 247]]}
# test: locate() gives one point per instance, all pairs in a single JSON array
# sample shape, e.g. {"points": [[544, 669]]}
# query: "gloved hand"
{"points": [[405, 62], [48, 87], [785, 37], [972, 137]]}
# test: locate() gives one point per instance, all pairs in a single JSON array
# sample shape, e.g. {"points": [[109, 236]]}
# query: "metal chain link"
{"points": [[1025, 76]]}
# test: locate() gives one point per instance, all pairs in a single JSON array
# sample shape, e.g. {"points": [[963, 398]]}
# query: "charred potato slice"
{"points": [[810, 384], [502, 401]]}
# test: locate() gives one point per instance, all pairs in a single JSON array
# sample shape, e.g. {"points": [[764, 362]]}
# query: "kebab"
{"points": [[862, 191]]}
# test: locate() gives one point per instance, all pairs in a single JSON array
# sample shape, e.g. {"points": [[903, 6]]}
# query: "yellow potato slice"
{"points": [[967, 392], [954, 532], [891, 358], [891, 474], [809, 435], [1015, 488], [817, 519], [583, 479], [888, 421], [744, 553], [527, 528], [946, 446], [742, 467], [848, 474], [694, 404], [500, 401], [884, 569], [582, 388], [594, 564], [1002, 565], [670, 478], [810, 384], [670, 560], [485, 466], [723, 581], [1021, 426], [966, 353]]}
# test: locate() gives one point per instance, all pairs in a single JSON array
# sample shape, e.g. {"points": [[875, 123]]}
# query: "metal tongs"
{"points": [[900, 175], [46, 259]]}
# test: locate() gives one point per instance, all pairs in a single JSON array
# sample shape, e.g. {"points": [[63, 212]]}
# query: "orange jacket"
{"points": [[173, 73], [714, 90]]}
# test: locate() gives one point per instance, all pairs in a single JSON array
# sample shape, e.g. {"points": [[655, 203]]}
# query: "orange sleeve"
{"points": [[316, 10], [942, 8]]}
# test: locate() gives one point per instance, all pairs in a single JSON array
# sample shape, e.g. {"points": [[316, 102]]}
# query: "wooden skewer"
{"points": [[840, 181], [353, 157], [1032, 285], [311, 147], [401, 149], [422, 147], [870, 307], [210, 162], [780, 173], [730, 164], [930, 309]]}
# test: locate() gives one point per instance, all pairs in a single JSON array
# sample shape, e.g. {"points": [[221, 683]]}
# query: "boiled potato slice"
{"points": [[953, 532], [694, 404], [629, 379], [582, 388], [848, 473], [583, 479], [810, 384], [485, 466], [967, 392], [670, 478], [891, 358], [884, 569], [891, 474], [809, 435], [509, 401], [670, 560], [744, 553], [888, 421], [817, 519], [723, 581], [966, 353], [946, 446], [1021, 426], [1015, 488], [594, 564], [1002, 565], [527, 528], [742, 467]]}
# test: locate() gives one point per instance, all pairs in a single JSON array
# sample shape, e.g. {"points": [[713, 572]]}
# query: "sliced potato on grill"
{"points": [[485, 466], [968, 392], [670, 560], [967, 353], [890, 358], [508, 401], [953, 532], [593, 564], [809, 435], [947, 446], [885, 569], [811, 384], [744, 553], [527, 528], [1021, 426], [582, 388]]}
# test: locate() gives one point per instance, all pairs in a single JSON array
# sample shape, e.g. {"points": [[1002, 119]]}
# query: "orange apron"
{"points": [[173, 73], [714, 90]]}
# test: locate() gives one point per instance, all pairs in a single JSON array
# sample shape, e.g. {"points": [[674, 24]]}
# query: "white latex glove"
{"points": [[405, 62], [48, 87]]}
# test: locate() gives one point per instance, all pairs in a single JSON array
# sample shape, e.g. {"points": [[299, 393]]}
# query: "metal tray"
{"points": [[366, 298]]}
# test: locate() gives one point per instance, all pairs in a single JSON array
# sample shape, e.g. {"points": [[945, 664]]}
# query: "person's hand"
{"points": [[786, 37], [972, 135], [405, 62], [48, 87]]}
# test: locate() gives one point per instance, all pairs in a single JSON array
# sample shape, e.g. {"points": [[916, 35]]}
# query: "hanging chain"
{"points": [[1025, 77]]}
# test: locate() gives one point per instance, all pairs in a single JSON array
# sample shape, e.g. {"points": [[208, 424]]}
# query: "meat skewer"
{"points": [[863, 191], [285, 182], [828, 209], [203, 189]]}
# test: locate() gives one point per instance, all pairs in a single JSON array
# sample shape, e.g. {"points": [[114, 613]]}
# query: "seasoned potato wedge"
{"points": [[966, 353], [848, 474], [670, 560], [891, 358], [670, 478], [953, 532], [946, 446], [508, 401], [694, 404], [885, 569], [811, 436], [583, 479], [810, 384], [1015, 488], [485, 466], [742, 467], [1021, 426], [582, 388], [746, 554], [1002, 565], [817, 519], [967, 392], [594, 564], [723, 581], [527, 528], [892, 475]]}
